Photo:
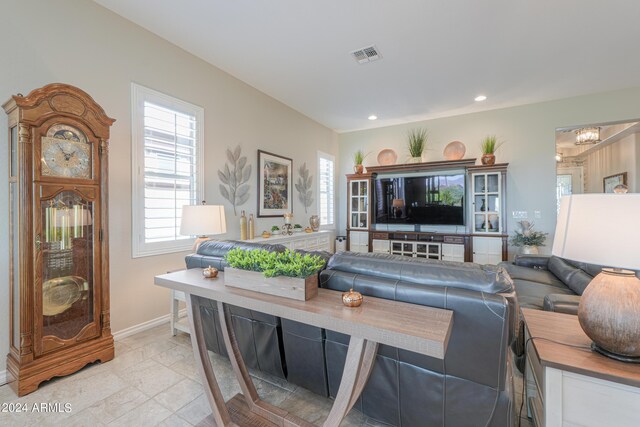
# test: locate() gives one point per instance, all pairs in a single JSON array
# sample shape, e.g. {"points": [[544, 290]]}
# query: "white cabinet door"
{"points": [[359, 241], [487, 250], [380, 246], [324, 243], [451, 252]]}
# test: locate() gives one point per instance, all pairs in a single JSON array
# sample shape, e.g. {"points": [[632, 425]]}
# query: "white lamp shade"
{"points": [[602, 229], [203, 220]]}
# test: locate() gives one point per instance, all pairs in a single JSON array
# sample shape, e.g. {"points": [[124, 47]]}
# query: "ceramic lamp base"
{"points": [[620, 357], [609, 313]]}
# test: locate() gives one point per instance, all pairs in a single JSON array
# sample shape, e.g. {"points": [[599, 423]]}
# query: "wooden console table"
{"points": [[573, 385], [417, 328]]}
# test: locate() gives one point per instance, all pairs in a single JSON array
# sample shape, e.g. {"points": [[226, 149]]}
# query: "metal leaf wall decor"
{"points": [[234, 179], [305, 194]]}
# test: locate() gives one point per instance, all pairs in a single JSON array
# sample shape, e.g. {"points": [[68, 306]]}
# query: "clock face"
{"points": [[66, 153]]}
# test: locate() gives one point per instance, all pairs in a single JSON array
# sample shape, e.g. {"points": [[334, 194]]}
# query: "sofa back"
{"points": [[212, 252], [481, 297], [573, 274]]}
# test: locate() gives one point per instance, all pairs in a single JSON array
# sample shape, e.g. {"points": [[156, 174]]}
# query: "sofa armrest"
{"points": [[532, 261], [562, 303]]}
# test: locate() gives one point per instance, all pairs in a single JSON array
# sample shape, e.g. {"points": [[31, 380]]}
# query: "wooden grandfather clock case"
{"points": [[58, 239]]}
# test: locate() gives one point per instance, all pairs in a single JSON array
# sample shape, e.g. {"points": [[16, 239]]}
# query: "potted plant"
{"points": [[358, 158], [287, 274], [275, 230], [489, 146], [528, 239], [417, 144], [297, 228]]}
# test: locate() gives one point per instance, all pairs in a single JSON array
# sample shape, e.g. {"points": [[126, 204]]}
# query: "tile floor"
{"points": [[153, 382]]}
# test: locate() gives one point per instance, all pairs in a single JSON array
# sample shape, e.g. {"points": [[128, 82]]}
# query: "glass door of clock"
{"points": [[66, 253]]}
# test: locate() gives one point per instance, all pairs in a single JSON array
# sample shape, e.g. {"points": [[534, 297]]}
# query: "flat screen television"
{"points": [[420, 200]]}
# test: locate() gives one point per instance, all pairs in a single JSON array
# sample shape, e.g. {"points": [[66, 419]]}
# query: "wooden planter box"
{"points": [[282, 286]]}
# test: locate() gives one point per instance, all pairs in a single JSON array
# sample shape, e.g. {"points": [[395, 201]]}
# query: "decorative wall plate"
{"points": [[454, 150], [387, 157]]}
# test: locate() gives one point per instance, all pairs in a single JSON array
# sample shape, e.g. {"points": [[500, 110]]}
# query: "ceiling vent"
{"points": [[366, 54]]}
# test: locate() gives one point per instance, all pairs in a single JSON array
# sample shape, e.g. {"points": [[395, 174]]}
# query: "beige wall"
{"points": [[80, 43], [613, 159], [529, 132]]}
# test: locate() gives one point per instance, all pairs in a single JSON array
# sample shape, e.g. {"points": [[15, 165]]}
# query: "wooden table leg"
{"points": [[211, 389], [264, 410], [358, 366], [361, 357]]}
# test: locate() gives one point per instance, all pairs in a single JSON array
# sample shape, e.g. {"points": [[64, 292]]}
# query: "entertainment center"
{"points": [[444, 210]]}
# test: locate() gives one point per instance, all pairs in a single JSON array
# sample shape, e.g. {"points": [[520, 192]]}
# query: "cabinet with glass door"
{"points": [[488, 213], [358, 212]]}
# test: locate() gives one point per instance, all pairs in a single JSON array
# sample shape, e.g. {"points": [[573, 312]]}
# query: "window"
{"points": [[325, 188], [167, 140]]}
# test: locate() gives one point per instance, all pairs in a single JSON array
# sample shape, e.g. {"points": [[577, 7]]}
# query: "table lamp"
{"points": [[202, 220], [604, 229], [397, 205]]}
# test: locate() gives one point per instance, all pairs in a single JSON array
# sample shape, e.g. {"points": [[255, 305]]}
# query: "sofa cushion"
{"points": [[531, 294], [575, 278], [474, 277], [532, 275]]}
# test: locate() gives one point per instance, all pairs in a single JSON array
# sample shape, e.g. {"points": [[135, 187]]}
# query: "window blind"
{"points": [[170, 170], [325, 191]]}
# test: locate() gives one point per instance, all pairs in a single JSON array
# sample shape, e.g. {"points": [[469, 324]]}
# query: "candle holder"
{"points": [[287, 229]]}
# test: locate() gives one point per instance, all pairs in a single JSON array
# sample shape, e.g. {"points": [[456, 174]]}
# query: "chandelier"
{"points": [[586, 136]]}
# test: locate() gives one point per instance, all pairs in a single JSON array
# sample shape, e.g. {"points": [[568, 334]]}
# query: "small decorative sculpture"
{"points": [[210, 272], [352, 298]]}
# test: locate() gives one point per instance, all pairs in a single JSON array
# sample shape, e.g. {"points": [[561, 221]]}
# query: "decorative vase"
{"points": [[488, 159], [359, 169], [243, 226], [252, 229], [529, 250], [609, 314], [314, 222], [415, 160]]}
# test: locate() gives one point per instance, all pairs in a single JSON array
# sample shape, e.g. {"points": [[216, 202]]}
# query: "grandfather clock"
{"points": [[59, 251]]}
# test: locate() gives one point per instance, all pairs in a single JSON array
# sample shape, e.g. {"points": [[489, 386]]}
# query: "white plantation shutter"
{"points": [[167, 144], [325, 188]]}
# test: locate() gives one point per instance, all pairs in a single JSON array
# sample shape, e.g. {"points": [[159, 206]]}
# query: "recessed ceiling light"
{"points": [[373, 117], [480, 98]]}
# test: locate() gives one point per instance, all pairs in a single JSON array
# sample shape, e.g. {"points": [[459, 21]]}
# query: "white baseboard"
{"points": [[124, 333], [132, 330]]}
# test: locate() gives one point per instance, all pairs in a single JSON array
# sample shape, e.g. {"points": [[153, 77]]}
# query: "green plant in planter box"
{"points": [[528, 237], [275, 228], [271, 264]]}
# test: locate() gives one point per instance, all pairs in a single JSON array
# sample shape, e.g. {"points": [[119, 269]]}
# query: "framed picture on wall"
{"points": [[610, 182], [275, 182]]}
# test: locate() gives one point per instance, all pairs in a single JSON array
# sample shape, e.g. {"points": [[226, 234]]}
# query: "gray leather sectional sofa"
{"points": [[472, 386], [550, 283], [547, 283]]}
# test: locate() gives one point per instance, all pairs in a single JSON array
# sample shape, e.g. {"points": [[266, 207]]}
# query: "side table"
{"points": [[178, 323], [567, 384]]}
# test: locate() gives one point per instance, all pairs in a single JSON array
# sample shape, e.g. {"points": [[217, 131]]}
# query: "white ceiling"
{"points": [[437, 55]]}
